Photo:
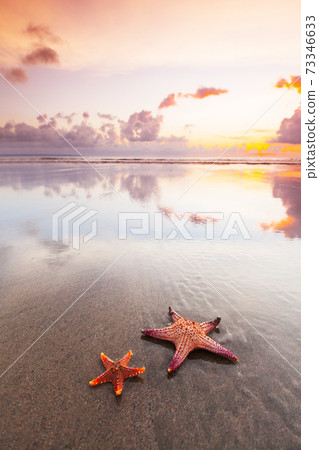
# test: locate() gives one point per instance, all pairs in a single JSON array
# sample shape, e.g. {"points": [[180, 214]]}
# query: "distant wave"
{"points": [[99, 160]]}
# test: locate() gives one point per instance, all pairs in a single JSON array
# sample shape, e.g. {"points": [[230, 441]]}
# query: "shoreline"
{"points": [[75, 160]]}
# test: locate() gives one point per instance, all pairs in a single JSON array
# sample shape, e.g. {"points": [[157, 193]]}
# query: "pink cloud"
{"points": [[42, 118], [141, 126], [79, 135], [68, 117], [201, 93], [41, 32], [110, 133], [85, 115], [105, 116], [42, 55], [290, 129], [84, 135], [48, 123], [204, 92], [168, 101], [15, 75]]}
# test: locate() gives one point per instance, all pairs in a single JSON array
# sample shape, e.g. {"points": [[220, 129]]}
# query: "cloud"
{"points": [[42, 118], [294, 83], [168, 101], [44, 122], [141, 126], [79, 135], [49, 123], [201, 93], [106, 116], [68, 117], [42, 55], [21, 132], [204, 92], [290, 129], [41, 32], [15, 75], [110, 133], [83, 135]]}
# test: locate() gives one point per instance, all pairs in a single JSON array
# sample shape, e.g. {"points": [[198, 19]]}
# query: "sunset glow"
{"points": [[121, 77]]}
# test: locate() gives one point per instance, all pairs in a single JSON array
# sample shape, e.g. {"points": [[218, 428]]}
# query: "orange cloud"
{"points": [[15, 75], [168, 101], [294, 83], [204, 92], [42, 55]]}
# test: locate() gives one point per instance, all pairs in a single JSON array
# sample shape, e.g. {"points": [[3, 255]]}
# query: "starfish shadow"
{"points": [[118, 399], [209, 356]]}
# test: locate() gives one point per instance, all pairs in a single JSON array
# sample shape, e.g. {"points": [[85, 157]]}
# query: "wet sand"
{"points": [[209, 402]]}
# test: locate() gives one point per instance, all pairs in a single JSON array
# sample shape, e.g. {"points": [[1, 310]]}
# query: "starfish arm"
{"points": [[106, 361], [132, 371], [182, 350], [117, 380], [106, 376], [119, 377], [209, 344], [125, 360], [210, 325], [173, 314], [166, 334]]}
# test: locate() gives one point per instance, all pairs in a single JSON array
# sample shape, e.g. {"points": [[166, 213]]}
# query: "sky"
{"points": [[142, 77]]}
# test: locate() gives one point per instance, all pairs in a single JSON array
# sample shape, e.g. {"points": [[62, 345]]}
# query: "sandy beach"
{"points": [[209, 402]]}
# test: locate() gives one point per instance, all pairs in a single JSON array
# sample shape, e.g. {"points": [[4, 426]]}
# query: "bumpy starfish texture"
{"points": [[116, 372], [188, 335]]}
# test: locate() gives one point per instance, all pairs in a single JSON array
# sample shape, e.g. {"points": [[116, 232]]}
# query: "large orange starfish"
{"points": [[116, 372], [188, 335]]}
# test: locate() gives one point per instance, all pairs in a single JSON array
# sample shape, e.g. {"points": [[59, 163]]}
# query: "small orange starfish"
{"points": [[116, 372], [188, 335]]}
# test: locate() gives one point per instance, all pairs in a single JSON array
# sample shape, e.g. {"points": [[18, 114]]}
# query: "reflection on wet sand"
{"points": [[287, 188], [65, 180], [140, 187], [144, 183], [191, 217]]}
